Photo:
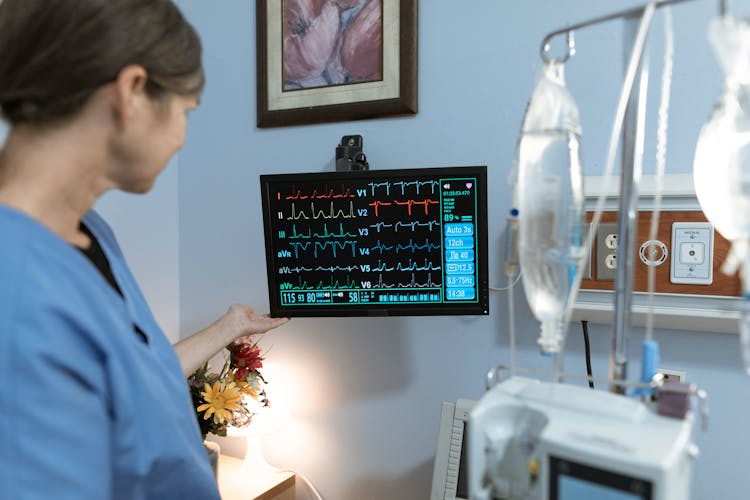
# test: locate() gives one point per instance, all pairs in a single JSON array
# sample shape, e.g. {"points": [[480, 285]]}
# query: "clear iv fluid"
{"points": [[721, 167], [550, 203], [550, 199]]}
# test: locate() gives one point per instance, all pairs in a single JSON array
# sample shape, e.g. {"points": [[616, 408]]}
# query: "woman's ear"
{"points": [[129, 87]]}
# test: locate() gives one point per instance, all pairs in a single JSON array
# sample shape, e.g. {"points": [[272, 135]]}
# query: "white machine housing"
{"points": [[535, 440]]}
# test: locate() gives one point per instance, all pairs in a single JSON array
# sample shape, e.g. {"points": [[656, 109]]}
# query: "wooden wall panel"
{"points": [[722, 285]]}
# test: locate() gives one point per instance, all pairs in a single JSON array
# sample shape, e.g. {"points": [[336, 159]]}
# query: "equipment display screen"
{"points": [[577, 489], [377, 243], [575, 481]]}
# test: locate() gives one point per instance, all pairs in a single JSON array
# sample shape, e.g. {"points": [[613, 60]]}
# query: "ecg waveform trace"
{"points": [[325, 233], [410, 266], [329, 193], [402, 185], [426, 203], [332, 212], [411, 284], [320, 285], [413, 225], [324, 245]]}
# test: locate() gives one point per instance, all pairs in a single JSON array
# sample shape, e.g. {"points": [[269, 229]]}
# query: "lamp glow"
{"points": [[266, 421]]}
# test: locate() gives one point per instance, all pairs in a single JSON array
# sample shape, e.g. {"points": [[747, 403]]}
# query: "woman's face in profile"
{"points": [[155, 138]]}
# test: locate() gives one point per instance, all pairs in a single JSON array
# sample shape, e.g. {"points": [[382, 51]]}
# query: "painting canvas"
{"points": [[331, 42], [335, 60]]}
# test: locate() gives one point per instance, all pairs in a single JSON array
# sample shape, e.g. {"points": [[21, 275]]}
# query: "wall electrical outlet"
{"points": [[606, 251]]}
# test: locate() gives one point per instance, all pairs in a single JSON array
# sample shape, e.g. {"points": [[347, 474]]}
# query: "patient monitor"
{"points": [[535, 440]]}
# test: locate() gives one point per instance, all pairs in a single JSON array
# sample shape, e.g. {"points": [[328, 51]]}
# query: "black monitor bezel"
{"points": [[481, 307]]}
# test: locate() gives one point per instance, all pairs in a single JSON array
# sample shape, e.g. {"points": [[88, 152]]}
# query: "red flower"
{"points": [[241, 373], [246, 356]]}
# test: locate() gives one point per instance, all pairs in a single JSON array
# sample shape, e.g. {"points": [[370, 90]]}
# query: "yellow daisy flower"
{"points": [[221, 400]]}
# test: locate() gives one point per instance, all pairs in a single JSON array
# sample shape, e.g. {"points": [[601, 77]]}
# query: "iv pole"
{"points": [[631, 167]]}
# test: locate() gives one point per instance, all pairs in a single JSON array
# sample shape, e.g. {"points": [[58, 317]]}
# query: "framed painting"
{"points": [[335, 60]]}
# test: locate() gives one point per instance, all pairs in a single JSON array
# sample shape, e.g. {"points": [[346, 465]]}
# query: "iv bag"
{"points": [[550, 202], [721, 168]]}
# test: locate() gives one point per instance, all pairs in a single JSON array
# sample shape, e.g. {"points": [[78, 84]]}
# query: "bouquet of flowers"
{"points": [[229, 396]]}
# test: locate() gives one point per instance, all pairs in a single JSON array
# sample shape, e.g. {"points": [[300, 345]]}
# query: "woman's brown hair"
{"points": [[55, 53]]}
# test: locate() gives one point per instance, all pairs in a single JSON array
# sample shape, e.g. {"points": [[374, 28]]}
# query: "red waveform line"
{"points": [[377, 204], [327, 194], [345, 194], [409, 203]]}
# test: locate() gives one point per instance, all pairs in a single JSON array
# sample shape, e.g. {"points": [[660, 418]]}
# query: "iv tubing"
{"points": [[661, 153], [513, 283], [512, 325], [627, 86]]}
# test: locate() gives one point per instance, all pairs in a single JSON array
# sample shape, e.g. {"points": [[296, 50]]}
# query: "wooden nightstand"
{"points": [[236, 484]]}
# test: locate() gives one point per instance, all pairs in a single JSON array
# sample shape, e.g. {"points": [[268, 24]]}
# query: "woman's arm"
{"points": [[238, 321]]}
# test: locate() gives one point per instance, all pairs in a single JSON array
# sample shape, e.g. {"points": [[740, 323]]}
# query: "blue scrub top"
{"points": [[88, 410]]}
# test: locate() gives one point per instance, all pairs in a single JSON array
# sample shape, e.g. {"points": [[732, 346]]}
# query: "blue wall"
{"points": [[364, 394]]}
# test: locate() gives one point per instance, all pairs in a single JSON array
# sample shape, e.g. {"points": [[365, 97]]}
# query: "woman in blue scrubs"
{"points": [[94, 402]]}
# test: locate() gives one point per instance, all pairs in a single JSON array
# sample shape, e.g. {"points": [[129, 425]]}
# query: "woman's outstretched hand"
{"points": [[242, 322], [237, 324]]}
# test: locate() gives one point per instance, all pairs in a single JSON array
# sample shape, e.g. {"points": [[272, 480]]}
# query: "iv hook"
{"points": [[545, 47]]}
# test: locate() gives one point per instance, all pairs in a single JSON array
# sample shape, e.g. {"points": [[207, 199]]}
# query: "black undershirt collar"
{"points": [[96, 255]]}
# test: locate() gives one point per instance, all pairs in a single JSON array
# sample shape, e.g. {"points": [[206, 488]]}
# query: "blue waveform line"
{"points": [[375, 185], [380, 225], [412, 266], [403, 185], [417, 185], [414, 247], [429, 225], [411, 225], [380, 247], [382, 266], [322, 245]]}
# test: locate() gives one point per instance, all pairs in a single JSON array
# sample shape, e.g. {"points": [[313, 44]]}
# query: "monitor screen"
{"points": [[377, 243], [575, 481]]}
